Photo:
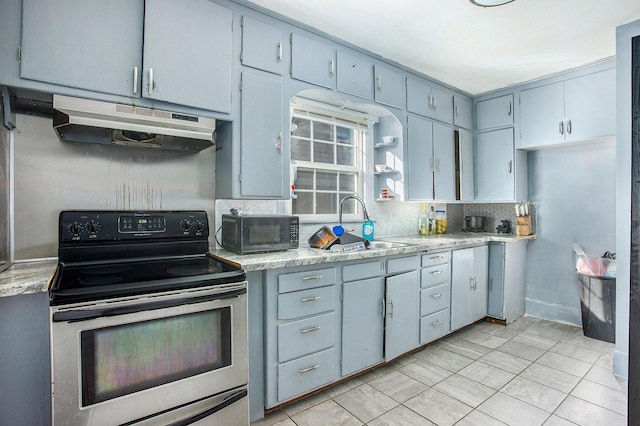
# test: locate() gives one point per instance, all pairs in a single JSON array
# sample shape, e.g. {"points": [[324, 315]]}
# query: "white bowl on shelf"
{"points": [[388, 139], [381, 168]]}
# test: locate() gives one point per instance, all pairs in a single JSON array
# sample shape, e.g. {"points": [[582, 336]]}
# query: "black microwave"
{"points": [[259, 233]]}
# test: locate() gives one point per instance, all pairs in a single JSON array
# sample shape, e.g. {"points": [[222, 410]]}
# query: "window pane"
{"points": [[300, 149], [326, 181], [304, 179], [344, 135], [323, 153], [303, 203], [346, 156], [323, 131], [304, 127], [326, 203], [347, 183]]}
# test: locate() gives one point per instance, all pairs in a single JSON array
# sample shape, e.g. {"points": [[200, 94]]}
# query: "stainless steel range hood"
{"points": [[84, 120]]}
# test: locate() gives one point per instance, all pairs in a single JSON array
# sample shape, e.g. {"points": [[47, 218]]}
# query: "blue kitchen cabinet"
{"points": [[264, 155], [506, 289], [495, 112], [93, 45], [572, 110], [466, 165], [495, 165], [313, 61], [435, 296], [429, 100], [469, 280], [402, 306], [262, 46], [462, 112], [99, 46], [430, 160], [389, 86], [355, 75]]}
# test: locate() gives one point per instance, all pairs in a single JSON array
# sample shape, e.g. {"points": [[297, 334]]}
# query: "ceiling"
{"points": [[472, 48]]}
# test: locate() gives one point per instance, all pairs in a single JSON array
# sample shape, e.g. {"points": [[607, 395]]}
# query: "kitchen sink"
{"points": [[381, 245]]}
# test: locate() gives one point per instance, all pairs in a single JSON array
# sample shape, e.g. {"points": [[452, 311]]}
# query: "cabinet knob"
{"points": [[279, 56]]}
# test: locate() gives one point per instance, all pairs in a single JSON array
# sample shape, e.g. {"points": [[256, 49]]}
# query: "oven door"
{"points": [[122, 360]]}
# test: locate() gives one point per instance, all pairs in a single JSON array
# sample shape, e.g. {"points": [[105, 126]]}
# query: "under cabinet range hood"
{"points": [[85, 120]]}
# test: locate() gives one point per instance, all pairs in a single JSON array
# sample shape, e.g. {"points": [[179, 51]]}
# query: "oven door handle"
{"points": [[237, 396], [88, 314]]}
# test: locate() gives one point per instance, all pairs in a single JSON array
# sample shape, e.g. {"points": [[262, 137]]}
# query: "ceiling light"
{"points": [[490, 3]]}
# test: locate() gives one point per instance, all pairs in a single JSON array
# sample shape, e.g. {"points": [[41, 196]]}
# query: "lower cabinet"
{"points": [[435, 296], [402, 311], [506, 297], [469, 280]]}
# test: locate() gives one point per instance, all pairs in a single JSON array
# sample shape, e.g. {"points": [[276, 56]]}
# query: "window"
{"points": [[329, 156]]}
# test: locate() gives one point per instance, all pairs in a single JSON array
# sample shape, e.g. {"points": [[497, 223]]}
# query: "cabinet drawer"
{"points": [[362, 271], [434, 299], [306, 302], [435, 258], [307, 279], [402, 264], [305, 374], [435, 275], [434, 326], [306, 336]]}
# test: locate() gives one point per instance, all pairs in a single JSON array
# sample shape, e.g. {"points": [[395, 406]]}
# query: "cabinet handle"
{"points": [[310, 299], [379, 83], [568, 127], [436, 257], [310, 329], [279, 56], [436, 323], [457, 111], [384, 307], [306, 370], [437, 165], [509, 108], [391, 311], [437, 295], [430, 101], [435, 102], [561, 127], [475, 283], [431, 164], [135, 80], [471, 283], [332, 69], [314, 277], [510, 165], [437, 272], [279, 142], [150, 81]]}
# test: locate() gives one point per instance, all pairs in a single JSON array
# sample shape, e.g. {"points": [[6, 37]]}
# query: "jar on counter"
{"points": [[441, 222]]}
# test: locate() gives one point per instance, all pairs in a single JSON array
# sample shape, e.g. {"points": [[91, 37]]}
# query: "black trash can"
{"points": [[598, 303]]}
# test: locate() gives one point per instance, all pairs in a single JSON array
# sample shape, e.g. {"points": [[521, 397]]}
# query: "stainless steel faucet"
{"points": [[357, 198]]}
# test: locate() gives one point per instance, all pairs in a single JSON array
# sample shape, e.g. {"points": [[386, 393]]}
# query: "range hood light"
{"points": [[489, 3]]}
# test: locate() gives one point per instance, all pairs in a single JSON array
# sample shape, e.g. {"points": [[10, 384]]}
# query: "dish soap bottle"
{"points": [[423, 221], [367, 229]]}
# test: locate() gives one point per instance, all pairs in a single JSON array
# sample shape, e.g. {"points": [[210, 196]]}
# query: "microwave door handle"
{"points": [[87, 314], [235, 397]]}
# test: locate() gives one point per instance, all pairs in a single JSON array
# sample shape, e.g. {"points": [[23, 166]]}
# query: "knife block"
{"points": [[523, 225]]}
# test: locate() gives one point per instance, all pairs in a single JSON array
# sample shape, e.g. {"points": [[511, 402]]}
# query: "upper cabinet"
{"points": [[567, 111], [495, 165], [355, 75], [262, 46], [462, 112], [465, 172], [99, 47], [313, 61], [496, 112], [429, 101], [389, 86]]}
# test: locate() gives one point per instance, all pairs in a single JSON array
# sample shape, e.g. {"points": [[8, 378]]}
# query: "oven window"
{"points": [[128, 358], [264, 234]]}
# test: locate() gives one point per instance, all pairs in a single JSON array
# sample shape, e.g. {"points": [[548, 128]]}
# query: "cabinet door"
{"points": [[94, 45], [419, 159], [362, 324], [355, 76], [418, 97], [495, 302], [402, 314], [390, 86], [262, 162], [496, 112], [462, 116], [445, 170], [313, 61], [541, 115], [481, 285], [442, 105], [469, 276], [495, 166], [191, 66], [466, 166], [590, 106], [262, 46]]}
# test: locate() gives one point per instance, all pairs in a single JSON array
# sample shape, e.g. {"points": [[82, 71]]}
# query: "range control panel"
{"points": [[103, 226]]}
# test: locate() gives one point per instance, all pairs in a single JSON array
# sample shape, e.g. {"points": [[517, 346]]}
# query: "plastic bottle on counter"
{"points": [[423, 221], [441, 222], [432, 221], [367, 230]]}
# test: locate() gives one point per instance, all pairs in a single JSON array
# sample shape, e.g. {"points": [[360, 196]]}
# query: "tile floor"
{"points": [[532, 372]]}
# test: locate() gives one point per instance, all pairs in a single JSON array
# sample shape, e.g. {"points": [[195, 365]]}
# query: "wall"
{"points": [[573, 189], [51, 176]]}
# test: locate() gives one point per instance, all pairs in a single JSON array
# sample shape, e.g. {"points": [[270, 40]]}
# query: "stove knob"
{"points": [[185, 225], [75, 228], [94, 226], [199, 226]]}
